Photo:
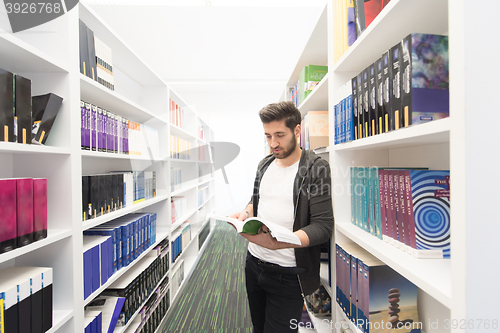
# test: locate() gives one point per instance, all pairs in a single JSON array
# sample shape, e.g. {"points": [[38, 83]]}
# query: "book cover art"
{"points": [[361, 115], [315, 73], [395, 63], [48, 106], [425, 89], [367, 126], [372, 75], [372, 8], [379, 96], [387, 91], [23, 109], [39, 208], [430, 191], [8, 215], [392, 302], [6, 106], [24, 192]]}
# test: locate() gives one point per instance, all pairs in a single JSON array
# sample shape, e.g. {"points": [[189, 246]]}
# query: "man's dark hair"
{"points": [[279, 111]]}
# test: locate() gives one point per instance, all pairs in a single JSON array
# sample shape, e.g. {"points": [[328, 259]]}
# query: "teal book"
{"points": [[377, 204], [371, 202]]}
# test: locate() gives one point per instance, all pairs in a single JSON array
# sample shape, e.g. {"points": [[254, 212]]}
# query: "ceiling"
{"points": [[216, 53]]}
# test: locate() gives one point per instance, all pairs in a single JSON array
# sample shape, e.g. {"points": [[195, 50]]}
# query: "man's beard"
{"points": [[286, 151]]}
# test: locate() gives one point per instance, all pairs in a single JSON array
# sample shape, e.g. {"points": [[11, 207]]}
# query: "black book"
{"points": [[366, 104], [84, 53], [372, 86], [86, 206], [45, 109], [92, 70], [379, 95], [361, 122], [94, 196], [354, 84], [396, 63], [23, 109], [387, 91], [6, 106]]}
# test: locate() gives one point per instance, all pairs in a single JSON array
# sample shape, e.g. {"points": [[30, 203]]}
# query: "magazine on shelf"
{"points": [[253, 224]]}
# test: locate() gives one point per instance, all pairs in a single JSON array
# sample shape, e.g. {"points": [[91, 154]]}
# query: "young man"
{"points": [[292, 188]]}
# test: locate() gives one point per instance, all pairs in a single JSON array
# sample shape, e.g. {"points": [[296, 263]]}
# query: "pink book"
{"points": [[39, 208], [24, 211], [381, 188], [8, 215]]}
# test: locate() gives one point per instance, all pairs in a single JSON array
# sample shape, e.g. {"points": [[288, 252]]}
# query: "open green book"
{"points": [[253, 224]]}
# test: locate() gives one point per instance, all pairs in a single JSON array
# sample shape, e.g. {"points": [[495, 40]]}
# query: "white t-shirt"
{"points": [[276, 205]]}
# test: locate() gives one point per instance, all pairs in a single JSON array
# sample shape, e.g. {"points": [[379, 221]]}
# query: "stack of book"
{"points": [[175, 178], [180, 148], [408, 208], [351, 19], [177, 278], [179, 208], [23, 207], [105, 193], [131, 235], [155, 309], [180, 240], [309, 77], [26, 299], [96, 60], [203, 195], [372, 295], [408, 85], [176, 114], [136, 286], [97, 262], [315, 130], [103, 314], [24, 118]]}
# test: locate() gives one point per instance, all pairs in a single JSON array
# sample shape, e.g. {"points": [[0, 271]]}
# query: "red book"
{"points": [[8, 215], [24, 211], [39, 208]]}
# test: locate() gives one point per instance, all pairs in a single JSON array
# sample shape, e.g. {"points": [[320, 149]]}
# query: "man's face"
{"points": [[280, 138]]}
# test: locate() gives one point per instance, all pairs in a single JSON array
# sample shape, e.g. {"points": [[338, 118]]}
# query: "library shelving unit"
{"points": [[49, 56], [459, 143]]}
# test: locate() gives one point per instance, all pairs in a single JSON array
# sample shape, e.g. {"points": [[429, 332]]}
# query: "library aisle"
{"points": [[214, 299]]}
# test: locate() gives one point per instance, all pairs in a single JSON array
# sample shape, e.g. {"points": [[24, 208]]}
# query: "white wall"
{"points": [[234, 118]]}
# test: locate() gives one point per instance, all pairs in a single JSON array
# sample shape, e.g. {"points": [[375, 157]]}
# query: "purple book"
{"points": [[126, 136], [24, 198], [8, 215], [101, 143], [108, 130], [39, 208], [84, 129], [381, 189], [93, 126]]}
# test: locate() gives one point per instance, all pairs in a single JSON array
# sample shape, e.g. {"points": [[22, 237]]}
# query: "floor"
{"points": [[214, 299]]}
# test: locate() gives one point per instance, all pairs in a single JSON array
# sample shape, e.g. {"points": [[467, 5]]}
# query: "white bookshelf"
{"points": [[49, 56], [444, 285]]}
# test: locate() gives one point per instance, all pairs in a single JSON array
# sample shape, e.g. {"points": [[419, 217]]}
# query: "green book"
{"points": [[314, 75]]}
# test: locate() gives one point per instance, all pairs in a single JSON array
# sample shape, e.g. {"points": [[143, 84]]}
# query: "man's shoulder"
{"points": [[265, 160]]}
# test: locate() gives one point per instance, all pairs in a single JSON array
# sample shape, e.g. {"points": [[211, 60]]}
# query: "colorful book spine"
{"points": [[8, 215]]}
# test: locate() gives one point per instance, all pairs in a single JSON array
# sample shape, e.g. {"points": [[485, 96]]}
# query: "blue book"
{"points": [[87, 273]]}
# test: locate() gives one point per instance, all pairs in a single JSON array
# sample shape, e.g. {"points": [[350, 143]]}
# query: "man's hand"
{"points": [[265, 239], [242, 216]]}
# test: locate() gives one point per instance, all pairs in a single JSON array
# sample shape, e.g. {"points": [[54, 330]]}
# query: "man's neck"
{"points": [[290, 159]]}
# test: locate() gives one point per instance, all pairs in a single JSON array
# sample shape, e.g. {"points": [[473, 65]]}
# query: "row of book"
{"points": [[97, 262], [23, 208], [102, 314], [176, 114], [201, 132], [408, 85], [180, 148], [155, 309], [177, 279], [104, 131], [310, 76], [105, 193], [25, 118], [408, 208], [203, 235], [373, 296], [180, 240], [130, 235], [351, 18], [203, 153], [26, 299], [138, 284], [175, 178], [203, 195], [315, 130], [179, 208], [96, 58]]}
